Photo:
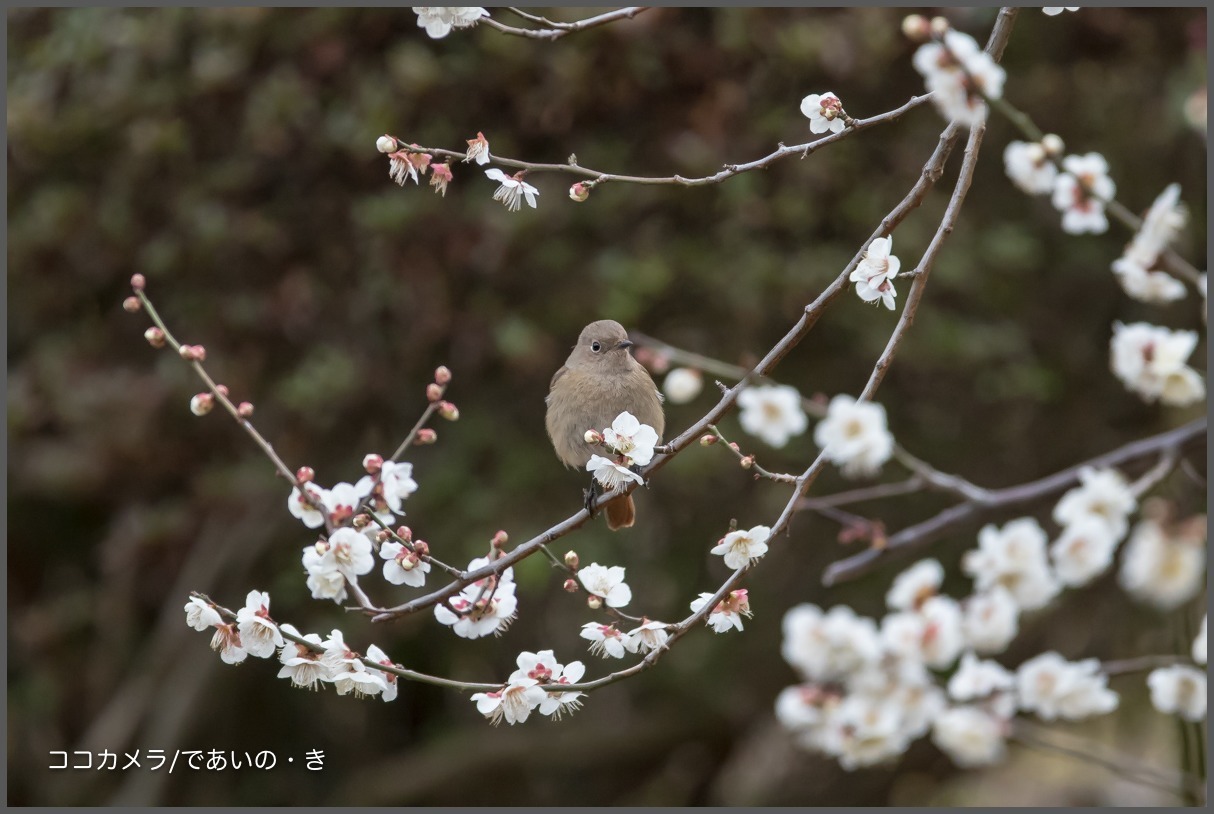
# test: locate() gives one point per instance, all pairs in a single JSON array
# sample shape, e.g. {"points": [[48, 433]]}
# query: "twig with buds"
{"points": [[553, 30]]}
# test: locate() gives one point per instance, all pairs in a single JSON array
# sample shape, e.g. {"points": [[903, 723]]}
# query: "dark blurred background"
{"points": [[229, 156]]}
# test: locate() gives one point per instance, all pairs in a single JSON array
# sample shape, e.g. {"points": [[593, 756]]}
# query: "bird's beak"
{"points": [[625, 345]]}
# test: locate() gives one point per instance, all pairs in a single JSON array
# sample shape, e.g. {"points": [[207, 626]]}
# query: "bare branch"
{"points": [[554, 30]]}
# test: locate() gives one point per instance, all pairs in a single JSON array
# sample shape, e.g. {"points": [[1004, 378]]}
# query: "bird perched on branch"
{"points": [[599, 381]]}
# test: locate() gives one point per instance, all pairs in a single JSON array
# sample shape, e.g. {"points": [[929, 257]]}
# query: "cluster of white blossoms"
{"points": [[609, 641], [824, 111], [1152, 361], [960, 76], [854, 436], [386, 485], [875, 272], [330, 661], [523, 691], [632, 444], [439, 20], [1160, 226], [1094, 519], [486, 606], [773, 413]]}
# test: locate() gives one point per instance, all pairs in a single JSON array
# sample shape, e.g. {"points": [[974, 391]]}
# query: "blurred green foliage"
{"points": [[228, 155]]}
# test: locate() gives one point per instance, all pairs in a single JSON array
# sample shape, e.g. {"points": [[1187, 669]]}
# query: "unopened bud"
{"points": [[154, 336], [499, 539], [407, 562], [579, 192], [131, 305], [405, 533], [386, 144], [361, 521], [223, 390], [571, 559], [200, 353], [1052, 144], [442, 374], [939, 26], [421, 548], [383, 536], [594, 602], [186, 352], [734, 446], [425, 436], [593, 437], [305, 474], [373, 463], [707, 440], [245, 409], [748, 461], [916, 28], [433, 392], [448, 411], [202, 403], [571, 586], [138, 282]]}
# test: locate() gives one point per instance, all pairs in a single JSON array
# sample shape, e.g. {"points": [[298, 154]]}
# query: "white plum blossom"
{"points": [[977, 679], [631, 439], [804, 710], [402, 566], [991, 619], [682, 385], [727, 614], [773, 413], [478, 150], [1030, 168], [1155, 287], [828, 646], [325, 580], [300, 663], [1014, 557], [513, 703], [932, 634], [970, 736], [1161, 225], [1103, 494], [1179, 690], [607, 583], [1165, 567], [1054, 11], [875, 271], [386, 144], [200, 615], [226, 642], [351, 552], [1199, 644], [740, 548], [389, 680], [486, 606], [543, 668], [865, 730], [854, 436], [607, 640], [1054, 688], [651, 635], [1081, 192], [1150, 361], [439, 20], [1083, 552], [915, 585], [390, 489], [512, 190], [361, 682], [259, 636], [303, 510], [824, 111], [613, 476], [959, 74]]}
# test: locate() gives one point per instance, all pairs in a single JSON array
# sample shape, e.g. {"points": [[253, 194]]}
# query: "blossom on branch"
{"points": [[300, 663], [773, 413], [727, 614], [1054, 11], [1102, 495], [1081, 192], [388, 693], [1150, 361], [630, 439], [484, 607], [512, 190], [607, 583], [1160, 226], [610, 474], [226, 642], [478, 150], [932, 634], [607, 640], [649, 636], [875, 272], [1083, 552], [439, 20], [827, 646], [402, 566], [200, 615], [1179, 690], [1053, 688], [960, 76], [1029, 167], [970, 736], [915, 585], [740, 548], [1014, 557], [991, 619], [259, 636], [544, 669], [682, 384], [1165, 566], [854, 436], [512, 703], [300, 508], [824, 111]]}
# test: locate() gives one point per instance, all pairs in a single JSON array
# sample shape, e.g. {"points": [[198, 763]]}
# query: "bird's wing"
{"points": [[552, 383]]}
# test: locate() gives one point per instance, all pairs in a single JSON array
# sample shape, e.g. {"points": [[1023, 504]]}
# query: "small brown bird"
{"points": [[599, 381]]}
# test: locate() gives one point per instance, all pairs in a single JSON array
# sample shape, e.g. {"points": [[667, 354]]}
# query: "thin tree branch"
{"points": [[554, 30]]}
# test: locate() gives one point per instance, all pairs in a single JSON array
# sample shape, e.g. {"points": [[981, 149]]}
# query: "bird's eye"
{"points": [[596, 347]]}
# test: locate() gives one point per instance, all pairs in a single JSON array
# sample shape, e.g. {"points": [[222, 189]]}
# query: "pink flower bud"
{"points": [[448, 411], [734, 446], [425, 436], [571, 586], [382, 536], [916, 28], [405, 533], [223, 390], [305, 474], [440, 177], [593, 602], [386, 144], [131, 305], [186, 352], [571, 559], [579, 192], [442, 375], [154, 336], [707, 440], [433, 392], [373, 463], [200, 354], [138, 282], [202, 403], [499, 539], [593, 437], [421, 548], [245, 409], [748, 461]]}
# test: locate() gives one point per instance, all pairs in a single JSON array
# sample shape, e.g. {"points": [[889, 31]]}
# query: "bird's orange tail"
{"points": [[621, 513]]}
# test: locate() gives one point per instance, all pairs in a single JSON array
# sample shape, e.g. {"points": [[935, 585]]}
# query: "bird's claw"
{"points": [[590, 497]]}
